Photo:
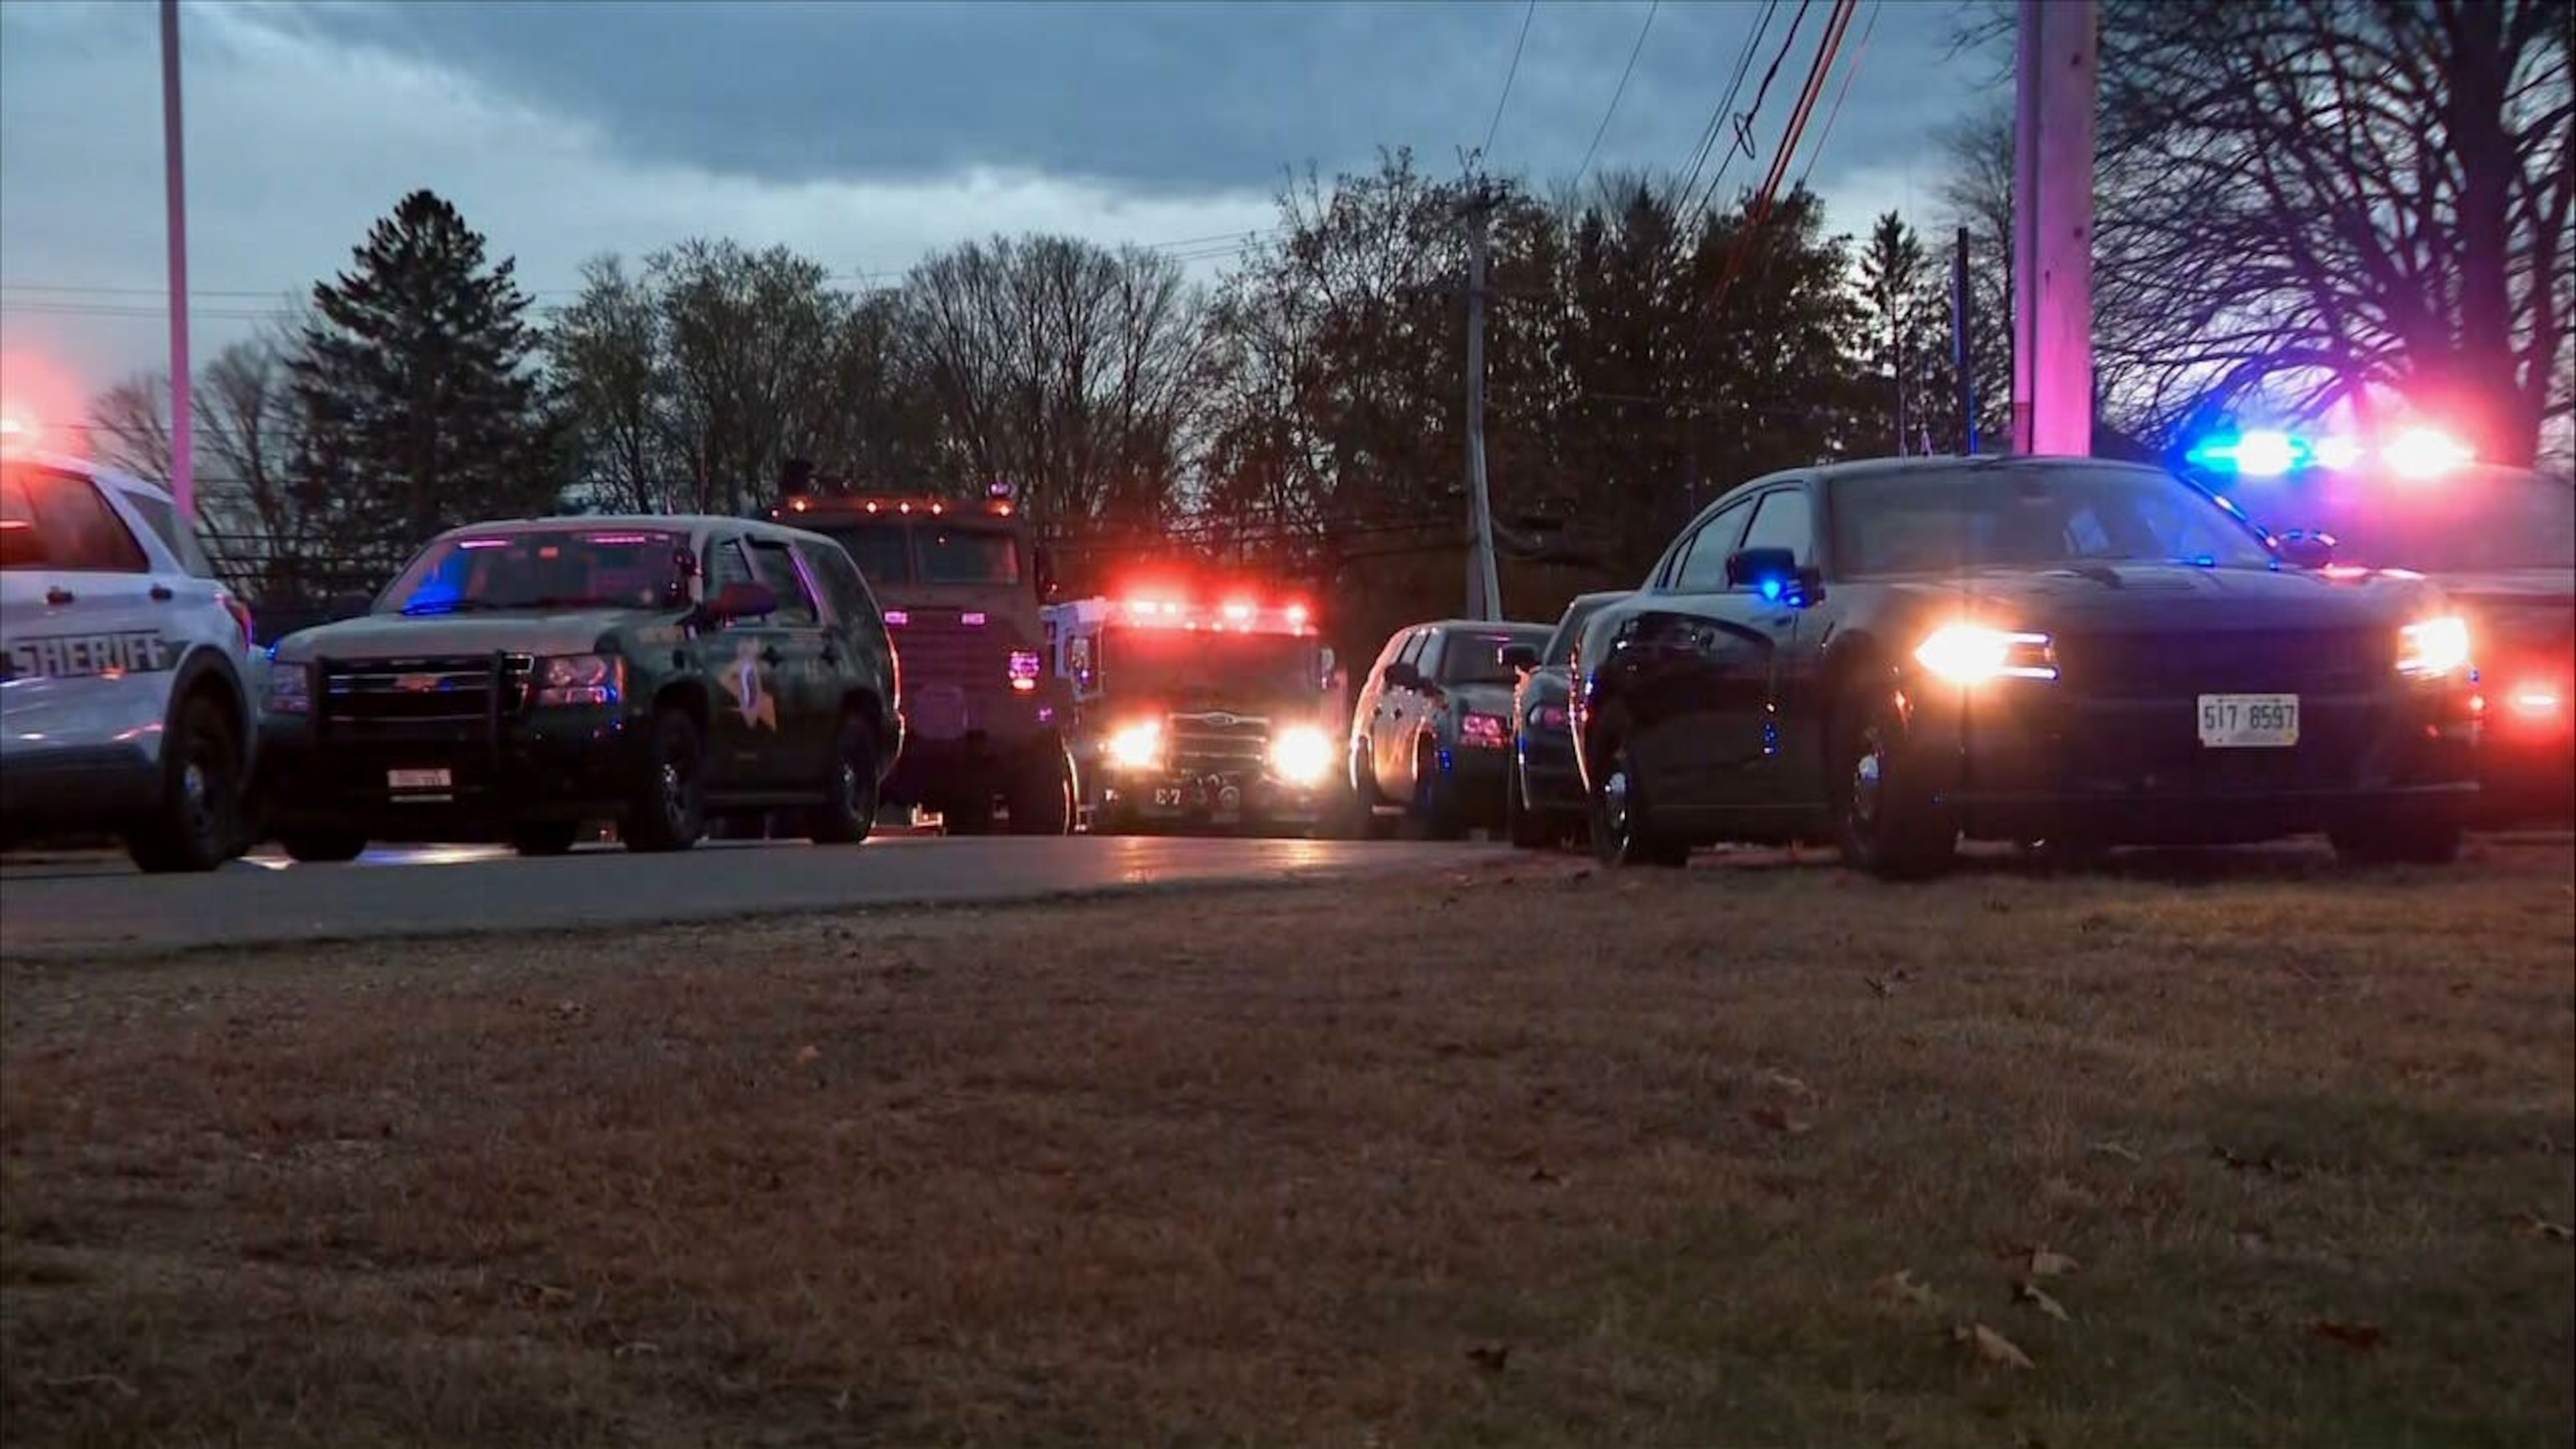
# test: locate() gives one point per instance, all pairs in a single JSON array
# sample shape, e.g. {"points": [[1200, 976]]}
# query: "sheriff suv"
{"points": [[520, 680], [123, 707]]}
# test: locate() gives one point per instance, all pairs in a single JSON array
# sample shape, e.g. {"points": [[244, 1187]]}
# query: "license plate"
{"points": [[406, 781], [2249, 721]]}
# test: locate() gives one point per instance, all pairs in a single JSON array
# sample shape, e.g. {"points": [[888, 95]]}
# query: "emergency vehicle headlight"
{"points": [[2433, 648], [1137, 746], [1301, 755], [568, 679], [290, 689], [1974, 654]]}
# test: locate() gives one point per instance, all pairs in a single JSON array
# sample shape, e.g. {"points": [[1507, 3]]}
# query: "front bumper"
{"points": [[2023, 761], [1214, 800], [545, 765]]}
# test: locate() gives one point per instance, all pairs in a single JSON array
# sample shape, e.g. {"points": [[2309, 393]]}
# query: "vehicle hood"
{"points": [[2180, 596], [410, 636]]}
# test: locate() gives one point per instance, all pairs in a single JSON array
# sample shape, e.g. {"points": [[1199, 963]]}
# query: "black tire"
{"points": [[848, 814], [1041, 800], [322, 847], [1435, 797], [2415, 839], [1888, 824], [668, 807], [1526, 828], [1623, 827], [196, 824], [545, 837]]}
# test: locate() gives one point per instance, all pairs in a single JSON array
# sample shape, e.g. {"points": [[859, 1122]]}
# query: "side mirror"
{"points": [[2302, 550], [1774, 573], [1401, 675], [1520, 657], [742, 601]]}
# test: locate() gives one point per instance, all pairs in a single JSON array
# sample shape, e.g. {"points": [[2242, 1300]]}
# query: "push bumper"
{"points": [[2021, 763], [386, 779]]}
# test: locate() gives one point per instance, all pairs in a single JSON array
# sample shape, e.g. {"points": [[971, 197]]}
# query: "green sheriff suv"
{"points": [[520, 680]]}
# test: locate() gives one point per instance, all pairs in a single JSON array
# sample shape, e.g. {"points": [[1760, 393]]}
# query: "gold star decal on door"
{"points": [[742, 679]]}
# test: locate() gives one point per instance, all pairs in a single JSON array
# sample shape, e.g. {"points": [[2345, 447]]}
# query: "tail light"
{"points": [[1024, 671], [241, 616]]}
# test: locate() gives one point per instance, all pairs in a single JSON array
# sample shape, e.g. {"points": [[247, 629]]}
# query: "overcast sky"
{"points": [[862, 134]]}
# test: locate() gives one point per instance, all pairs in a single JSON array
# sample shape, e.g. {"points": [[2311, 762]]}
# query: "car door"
{"points": [[1660, 654], [793, 646], [1749, 658], [1399, 713], [740, 658], [87, 662]]}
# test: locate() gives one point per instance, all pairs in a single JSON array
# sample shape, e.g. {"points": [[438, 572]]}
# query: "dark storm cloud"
{"points": [[1160, 96]]}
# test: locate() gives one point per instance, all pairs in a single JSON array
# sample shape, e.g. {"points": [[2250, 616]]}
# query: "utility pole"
{"points": [[1484, 588], [183, 480], [2052, 402], [1962, 356]]}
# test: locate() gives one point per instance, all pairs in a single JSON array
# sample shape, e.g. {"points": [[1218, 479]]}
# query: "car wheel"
{"points": [[1435, 796], [2412, 839], [668, 810], [322, 847], [1890, 826], [197, 823], [1041, 800], [849, 809], [1623, 829], [545, 837]]}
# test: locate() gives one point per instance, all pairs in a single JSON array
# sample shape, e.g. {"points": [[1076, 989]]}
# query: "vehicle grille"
{"points": [[1203, 742], [2171, 664], [424, 691], [936, 649]]}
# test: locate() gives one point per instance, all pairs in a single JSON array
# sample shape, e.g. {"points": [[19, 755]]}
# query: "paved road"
{"points": [[89, 906]]}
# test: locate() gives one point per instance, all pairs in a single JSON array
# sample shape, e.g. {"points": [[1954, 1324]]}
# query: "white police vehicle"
{"points": [[125, 705]]}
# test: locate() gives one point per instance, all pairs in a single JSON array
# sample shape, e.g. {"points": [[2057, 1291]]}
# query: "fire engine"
{"points": [[959, 582], [1196, 713]]}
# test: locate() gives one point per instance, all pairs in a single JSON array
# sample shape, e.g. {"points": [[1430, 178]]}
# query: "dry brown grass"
{"points": [[1521, 1156]]}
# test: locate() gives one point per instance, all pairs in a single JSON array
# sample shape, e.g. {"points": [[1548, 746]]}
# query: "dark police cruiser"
{"points": [[1899, 653], [123, 704], [521, 679]]}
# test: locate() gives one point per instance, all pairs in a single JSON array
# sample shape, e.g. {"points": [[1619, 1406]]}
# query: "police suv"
{"points": [[123, 703]]}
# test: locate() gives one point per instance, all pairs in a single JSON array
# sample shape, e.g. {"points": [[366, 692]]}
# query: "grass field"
{"points": [[2243, 1151]]}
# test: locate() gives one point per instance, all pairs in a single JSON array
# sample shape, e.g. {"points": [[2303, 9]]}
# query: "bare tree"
{"points": [[130, 426], [608, 357]]}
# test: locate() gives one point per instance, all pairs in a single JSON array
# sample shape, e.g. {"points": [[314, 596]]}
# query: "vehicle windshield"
{"points": [[1476, 656], [1560, 645], [550, 568], [892, 552], [2033, 515], [1180, 663], [2467, 521]]}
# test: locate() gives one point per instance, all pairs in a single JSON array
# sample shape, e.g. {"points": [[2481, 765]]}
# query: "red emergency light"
{"points": [[1238, 614]]}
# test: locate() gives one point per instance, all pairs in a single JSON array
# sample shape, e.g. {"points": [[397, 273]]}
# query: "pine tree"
{"points": [[1895, 280], [422, 405]]}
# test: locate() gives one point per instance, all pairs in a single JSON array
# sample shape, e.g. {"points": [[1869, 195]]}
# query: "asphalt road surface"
{"points": [[76, 906]]}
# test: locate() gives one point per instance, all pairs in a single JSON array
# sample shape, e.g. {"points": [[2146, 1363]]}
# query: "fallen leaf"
{"points": [[809, 1053], [1545, 1178], [1902, 1287], [2359, 1337], [2540, 1227], [1779, 1121], [2114, 1149], [1991, 1347], [1883, 988], [1492, 1360], [1789, 1084], [2067, 1193], [2030, 1293], [2047, 1264]]}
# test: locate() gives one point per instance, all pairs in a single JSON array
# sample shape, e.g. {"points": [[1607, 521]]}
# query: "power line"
{"points": [[1744, 121], [1860, 53], [1725, 105], [1616, 92], [1527, 15]]}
